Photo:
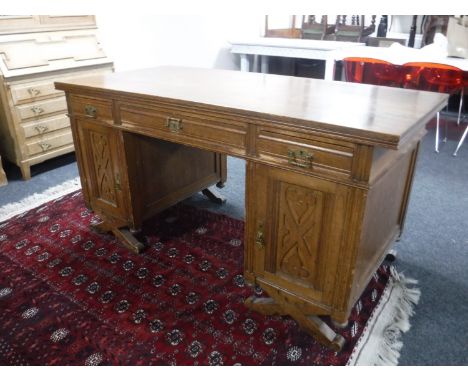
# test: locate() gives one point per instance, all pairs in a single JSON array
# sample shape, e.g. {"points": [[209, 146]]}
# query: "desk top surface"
{"points": [[381, 115]]}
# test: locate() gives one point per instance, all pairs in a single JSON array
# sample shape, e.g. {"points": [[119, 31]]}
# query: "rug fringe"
{"points": [[390, 319], [12, 209]]}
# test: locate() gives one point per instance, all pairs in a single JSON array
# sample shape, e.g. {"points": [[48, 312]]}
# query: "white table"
{"points": [[286, 47]]}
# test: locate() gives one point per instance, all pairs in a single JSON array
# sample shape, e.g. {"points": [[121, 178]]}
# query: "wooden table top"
{"points": [[383, 115]]}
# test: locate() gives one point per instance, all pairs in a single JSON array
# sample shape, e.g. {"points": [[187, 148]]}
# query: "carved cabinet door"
{"points": [[293, 242], [102, 158]]}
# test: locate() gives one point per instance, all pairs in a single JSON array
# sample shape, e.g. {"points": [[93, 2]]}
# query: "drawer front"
{"points": [[45, 125], [42, 108], [308, 155], [33, 91], [48, 142], [30, 92], [95, 108], [214, 130]]}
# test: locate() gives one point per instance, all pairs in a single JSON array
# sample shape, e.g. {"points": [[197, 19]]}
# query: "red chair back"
{"points": [[432, 77], [372, 71]]}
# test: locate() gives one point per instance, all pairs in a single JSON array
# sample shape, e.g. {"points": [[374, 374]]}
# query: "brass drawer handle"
{"points": [[37, 109], [174, 124], [90, 111], [300, 158], [260, 237], [34, 92], [45, 146], [41, 129]]}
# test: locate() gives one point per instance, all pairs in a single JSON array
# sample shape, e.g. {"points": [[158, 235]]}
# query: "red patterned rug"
{"points": [[69, 296]]}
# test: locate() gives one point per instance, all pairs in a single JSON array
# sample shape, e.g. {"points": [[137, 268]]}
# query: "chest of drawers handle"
{"points": [[41, 129], [34, 92], [45, 146], [37, 109], [300, 158], [174, 124]]}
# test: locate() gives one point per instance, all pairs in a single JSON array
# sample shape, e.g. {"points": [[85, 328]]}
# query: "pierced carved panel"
{"points": [[299, 230], [103, 166]]}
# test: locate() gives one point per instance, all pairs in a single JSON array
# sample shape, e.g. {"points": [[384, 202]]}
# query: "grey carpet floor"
{"points": [[433, 248]]}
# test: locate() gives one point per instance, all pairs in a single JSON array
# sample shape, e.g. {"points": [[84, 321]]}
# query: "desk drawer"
{"points": [[304, 153], [48, 142], [214, 130], [95, 108], [45, 125], [42, 108]]}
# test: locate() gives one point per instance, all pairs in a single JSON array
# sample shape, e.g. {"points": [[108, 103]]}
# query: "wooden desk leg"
{"points": [[214, 195], [3, 178], [123, 234], [313, 325]]}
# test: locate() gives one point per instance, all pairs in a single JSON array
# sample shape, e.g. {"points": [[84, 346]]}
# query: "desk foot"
{"points": [[391, 255], [123, 234], [101, 227], [127, 239], [313, 325], [214, 195]]}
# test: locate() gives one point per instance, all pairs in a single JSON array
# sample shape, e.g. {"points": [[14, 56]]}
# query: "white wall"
{"points": [[150, 40]]}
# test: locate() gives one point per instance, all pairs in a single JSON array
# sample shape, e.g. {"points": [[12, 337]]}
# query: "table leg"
{"points": [[264, 65], [244, 63], [329, 69], [255, 65], [3, 178]]}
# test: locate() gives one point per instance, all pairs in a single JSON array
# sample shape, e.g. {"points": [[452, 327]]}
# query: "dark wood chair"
{"points": [[313, 30], [356, 31], [290, 32]]}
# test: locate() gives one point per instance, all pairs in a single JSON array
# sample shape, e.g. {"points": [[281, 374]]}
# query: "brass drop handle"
{"points": [[90, 111], [41, 129], [34, 92], [260, 238], [37, 109], [45, 146], [174, 124], [300, 158]]}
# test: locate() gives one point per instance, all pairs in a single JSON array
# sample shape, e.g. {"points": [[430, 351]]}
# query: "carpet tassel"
{"points": [[393, 320], [12, 209], [391, 346]]}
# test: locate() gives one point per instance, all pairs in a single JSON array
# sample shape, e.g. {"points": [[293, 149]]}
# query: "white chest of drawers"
{"points": [[35, 51]]}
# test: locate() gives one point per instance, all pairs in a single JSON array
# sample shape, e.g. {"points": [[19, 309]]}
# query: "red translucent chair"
{"points": [[437, 78], [372, 71], [462, 139]]}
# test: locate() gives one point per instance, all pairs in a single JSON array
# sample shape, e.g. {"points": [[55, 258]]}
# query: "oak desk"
{"points": [[329, 170]]}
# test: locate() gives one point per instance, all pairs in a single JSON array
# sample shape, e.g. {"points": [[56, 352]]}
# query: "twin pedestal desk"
{"points": [[329, 171]]}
